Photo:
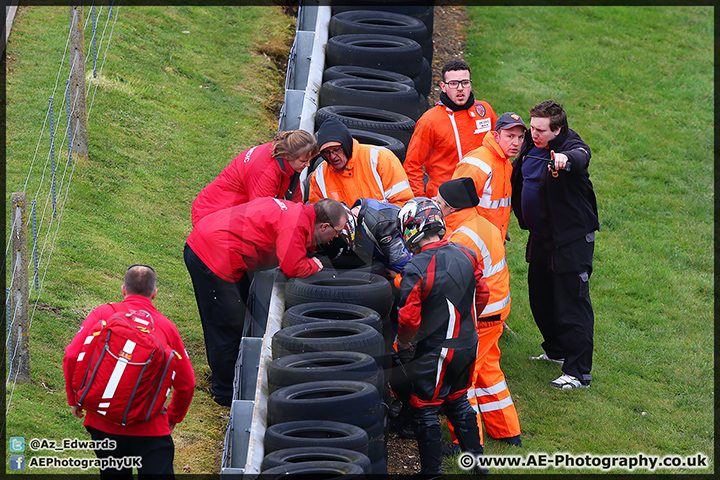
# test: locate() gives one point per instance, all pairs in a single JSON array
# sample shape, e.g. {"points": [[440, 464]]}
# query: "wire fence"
{"points": [[45, 225]]}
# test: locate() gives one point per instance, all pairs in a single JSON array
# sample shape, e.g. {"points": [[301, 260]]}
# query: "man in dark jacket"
{"points": [[553, 198]]}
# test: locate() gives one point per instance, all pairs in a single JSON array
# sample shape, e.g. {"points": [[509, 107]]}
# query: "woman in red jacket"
{"points": [[267, 170]]}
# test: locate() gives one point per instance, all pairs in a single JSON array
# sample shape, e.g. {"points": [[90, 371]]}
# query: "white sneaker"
{"points": [[544, 356], [568, 382]]}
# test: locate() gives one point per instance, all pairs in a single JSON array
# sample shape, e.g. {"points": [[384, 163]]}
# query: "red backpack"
{"points": [[125, 369]]}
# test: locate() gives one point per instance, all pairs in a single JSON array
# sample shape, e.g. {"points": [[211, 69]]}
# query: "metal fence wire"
{"points": [[53, 196]]}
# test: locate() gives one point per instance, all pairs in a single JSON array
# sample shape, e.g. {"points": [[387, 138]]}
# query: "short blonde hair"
{"points": [[294, 144]]}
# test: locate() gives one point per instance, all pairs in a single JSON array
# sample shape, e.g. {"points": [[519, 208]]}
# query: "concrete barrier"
{"points": [[243, 449]]}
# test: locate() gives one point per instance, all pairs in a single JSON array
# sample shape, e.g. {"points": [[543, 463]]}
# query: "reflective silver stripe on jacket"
{"points": [[495, 307], [494, 204], [374, 164], [399, 187], [486, 259], [457, 135], [320, 178]]}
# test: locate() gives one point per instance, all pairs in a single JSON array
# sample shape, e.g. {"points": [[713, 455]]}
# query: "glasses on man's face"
{"points": [[328, 152], [337, 232], [457, 83]]}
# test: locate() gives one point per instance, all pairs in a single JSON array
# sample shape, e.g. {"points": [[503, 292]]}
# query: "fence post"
{"points": [[19, 347], [77, 81]]}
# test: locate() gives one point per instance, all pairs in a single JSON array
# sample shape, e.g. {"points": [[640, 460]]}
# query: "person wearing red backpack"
{"points": [[151, 440]]}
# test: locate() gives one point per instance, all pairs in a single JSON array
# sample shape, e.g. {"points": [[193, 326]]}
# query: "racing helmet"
{"points": [[347, 234], [418, 218]]}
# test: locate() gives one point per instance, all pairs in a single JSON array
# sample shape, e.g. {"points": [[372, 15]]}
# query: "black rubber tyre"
{"points": [[424, 13], [423, 82], [424, 104], [352, 71], [331, 311], [357, 403], [328, 337], [339, 266], [315, 454], [393, 96], [373, 138], [324, 470], [385, 52], [382, 121], [315, 433], [378, 22], [358, 288], [315, 366]]}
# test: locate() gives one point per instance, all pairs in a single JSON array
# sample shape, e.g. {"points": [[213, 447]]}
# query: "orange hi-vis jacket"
{"points": [[440, 140], [469, 229], [372, 172], [491, 170], [488, 393]]}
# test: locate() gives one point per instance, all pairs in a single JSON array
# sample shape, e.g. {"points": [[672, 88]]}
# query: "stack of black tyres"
{"points": [[287, 445], [326, 379], [377, 60]]}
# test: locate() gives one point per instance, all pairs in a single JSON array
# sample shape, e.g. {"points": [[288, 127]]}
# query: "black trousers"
{"points": [[222, 307], [157, 455], [429, 434], [426, 400], [559, 291]]}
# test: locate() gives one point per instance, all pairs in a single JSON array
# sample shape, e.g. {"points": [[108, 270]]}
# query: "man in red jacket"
{"points": [[150, 440], [227, 244]]}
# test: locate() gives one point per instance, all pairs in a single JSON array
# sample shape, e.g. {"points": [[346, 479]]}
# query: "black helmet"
{"points": [[418, 218]]}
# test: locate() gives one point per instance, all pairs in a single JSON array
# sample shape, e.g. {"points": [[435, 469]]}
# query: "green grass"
{"points": [[174, 108], [171, 110], [637, 83]]}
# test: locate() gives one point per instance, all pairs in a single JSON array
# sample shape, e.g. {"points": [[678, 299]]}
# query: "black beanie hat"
{"points": [[459, 193], [333, 130]]}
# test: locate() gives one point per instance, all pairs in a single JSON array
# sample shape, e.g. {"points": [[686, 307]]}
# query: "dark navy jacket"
{"points": [[568, 208]]}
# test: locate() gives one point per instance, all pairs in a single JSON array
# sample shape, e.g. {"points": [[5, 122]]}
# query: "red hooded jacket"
{"points": [[252, 174]]}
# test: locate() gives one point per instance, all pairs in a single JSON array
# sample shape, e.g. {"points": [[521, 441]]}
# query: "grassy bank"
{"points": [[637, 83], [183, 90]]}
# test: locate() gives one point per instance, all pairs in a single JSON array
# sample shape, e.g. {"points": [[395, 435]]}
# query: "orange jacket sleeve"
{"points": [[394, 179]]}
